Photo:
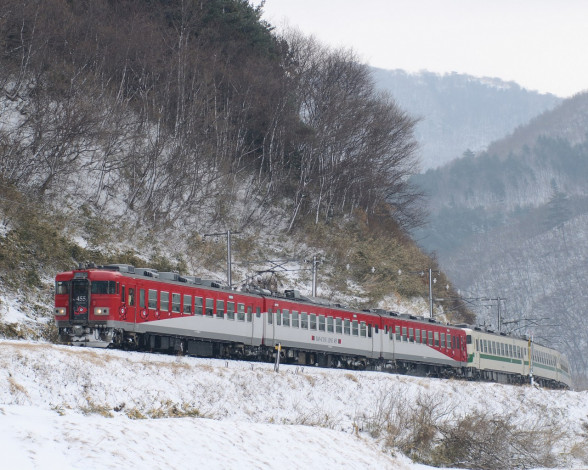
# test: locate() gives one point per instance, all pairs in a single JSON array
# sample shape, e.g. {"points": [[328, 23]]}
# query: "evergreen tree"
{"points": [[558, 210]]}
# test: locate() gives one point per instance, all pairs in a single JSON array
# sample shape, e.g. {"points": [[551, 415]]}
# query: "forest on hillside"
{"points": [[510, 225], [129, 125], [180, 110]]}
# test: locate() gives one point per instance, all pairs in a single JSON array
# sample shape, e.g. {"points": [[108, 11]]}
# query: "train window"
{"points": [[295, 319], [391, 333], [510, 350], [330, 325], [312, 321], [164, 301], [187, 304], [355, 328], [142, 298], [231, 310], [270, 316], [240, 312], [362, 329], [442, 340], [346, 327], [286, 317], [469, 340], [131, 296], [397, 333], [122, 295], [485, 346], [449, 341], [411, 335], [437, 338], [321, 323], [304, 320], [220, 309], [198, 305], [338, 325], [404, 333], [249, 313], [101, 287], [209, 309], [494, 347], [258, 312], [424, 337], [430, 338], [278, 316], [502, 351], [152, 299], [176, 303], [61, 287], [370, 330]]}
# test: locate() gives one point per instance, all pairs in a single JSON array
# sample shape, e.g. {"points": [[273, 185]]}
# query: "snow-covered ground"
{"points": [[69, 408]]}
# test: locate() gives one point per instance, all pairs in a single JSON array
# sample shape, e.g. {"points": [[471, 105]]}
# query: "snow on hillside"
{"points": [[68, 408]]}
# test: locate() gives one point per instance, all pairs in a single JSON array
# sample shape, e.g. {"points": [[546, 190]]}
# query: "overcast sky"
{"points": [[540, 44]]}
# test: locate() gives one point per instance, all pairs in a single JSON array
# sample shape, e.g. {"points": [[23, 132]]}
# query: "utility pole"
{"points": [[499, 319], [430, 293], [315, 262], [431, 282], [229, 266]]}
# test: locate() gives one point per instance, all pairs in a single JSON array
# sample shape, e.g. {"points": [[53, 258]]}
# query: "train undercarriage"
{"points": [[106, 337]]}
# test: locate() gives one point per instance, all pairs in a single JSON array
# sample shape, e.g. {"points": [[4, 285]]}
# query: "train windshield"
{"points": [[103, 287]]}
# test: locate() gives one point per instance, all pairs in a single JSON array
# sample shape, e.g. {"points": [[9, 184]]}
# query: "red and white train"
{"points": [[140, 308]]}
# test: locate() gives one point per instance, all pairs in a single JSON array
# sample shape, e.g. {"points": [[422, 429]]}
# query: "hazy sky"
{"points": [[540, 44]]}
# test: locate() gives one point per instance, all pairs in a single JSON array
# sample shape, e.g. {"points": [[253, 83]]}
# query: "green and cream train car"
{"points": [[507, 359]]}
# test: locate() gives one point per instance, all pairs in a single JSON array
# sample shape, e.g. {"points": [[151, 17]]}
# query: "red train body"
{"points": [[132, 308]]}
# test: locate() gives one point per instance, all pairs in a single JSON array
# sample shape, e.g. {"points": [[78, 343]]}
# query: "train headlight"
{"points": [[101, 310], [60, 311]]}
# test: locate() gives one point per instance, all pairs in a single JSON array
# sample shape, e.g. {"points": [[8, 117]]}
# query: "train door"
{"points": [[257, 326], [128, 303], [269, 333], [80, 300], [379, 341]]}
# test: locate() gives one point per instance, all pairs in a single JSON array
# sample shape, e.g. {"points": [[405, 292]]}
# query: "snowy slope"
{"points": [[62, 407]]}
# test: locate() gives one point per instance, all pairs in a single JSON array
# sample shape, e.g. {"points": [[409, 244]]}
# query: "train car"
{"points": [[322, 334], [424, 347], [129, 307], [140, 308], [505, 359]]}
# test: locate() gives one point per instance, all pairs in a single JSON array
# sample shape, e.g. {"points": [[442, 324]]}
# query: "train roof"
{"points": [[288, 294]]}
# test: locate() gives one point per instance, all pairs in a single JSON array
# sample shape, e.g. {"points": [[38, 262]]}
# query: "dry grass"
{"points": [[431, 432], [351, 377], [16, 388], [94, 408]]}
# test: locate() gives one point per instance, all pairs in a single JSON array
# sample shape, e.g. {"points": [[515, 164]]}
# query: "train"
{"points": [[119, 305]]}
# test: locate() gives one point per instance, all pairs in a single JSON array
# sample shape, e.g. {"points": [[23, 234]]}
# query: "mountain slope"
{"points": [[512, 223], [461, 112]]}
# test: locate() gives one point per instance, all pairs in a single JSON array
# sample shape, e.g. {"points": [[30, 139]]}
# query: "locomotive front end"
{"points": [[84, 300]]}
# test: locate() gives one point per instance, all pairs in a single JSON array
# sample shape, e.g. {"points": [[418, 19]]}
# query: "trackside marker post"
{"points": [[277, 363]]}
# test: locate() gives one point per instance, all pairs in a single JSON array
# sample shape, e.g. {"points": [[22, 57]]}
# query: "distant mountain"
{"points": [[461, 112], [512, 223]]}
